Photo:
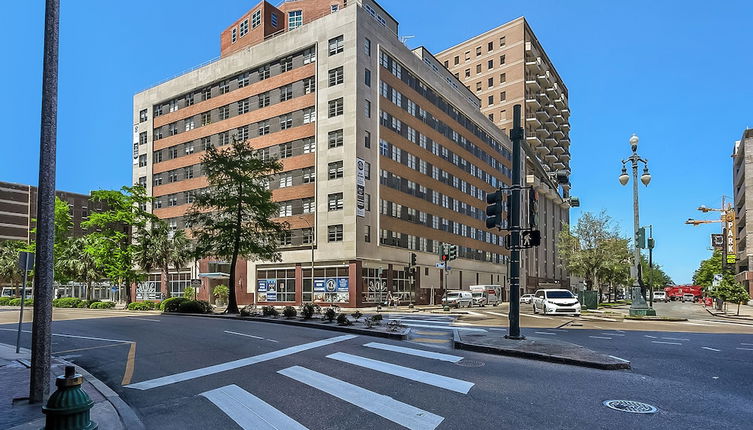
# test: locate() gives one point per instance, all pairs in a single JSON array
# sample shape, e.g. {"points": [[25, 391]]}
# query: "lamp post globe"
{"points": [[624, 178], [634, 142], [645, 177]]}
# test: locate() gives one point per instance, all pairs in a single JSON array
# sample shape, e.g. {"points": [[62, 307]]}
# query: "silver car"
{"points": [[526, 298]]}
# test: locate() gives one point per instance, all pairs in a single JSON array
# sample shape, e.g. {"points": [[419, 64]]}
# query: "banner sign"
{"points": [[262, 286], [731, 239], [360, 187], [717, 241], [331, 285]]}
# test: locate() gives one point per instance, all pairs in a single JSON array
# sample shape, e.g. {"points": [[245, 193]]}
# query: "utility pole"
{"points": [[516, 135], [39, 384]]}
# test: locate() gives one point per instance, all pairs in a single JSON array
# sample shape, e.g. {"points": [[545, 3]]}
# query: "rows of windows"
{"points": [[416, 243], [240, 80], [392, 66], [489, 48]]}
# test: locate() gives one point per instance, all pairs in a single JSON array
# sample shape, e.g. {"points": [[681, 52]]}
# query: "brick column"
{"points": [[298, 284]]}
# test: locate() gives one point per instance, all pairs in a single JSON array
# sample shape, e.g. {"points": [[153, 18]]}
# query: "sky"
{"points": [[676, 73]]}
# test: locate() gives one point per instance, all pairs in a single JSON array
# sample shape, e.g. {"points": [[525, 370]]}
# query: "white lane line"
{"points": [[403, 320], [651, 337], [745, 349], [748, 344], [249, 411], [444, 327], [386, 407], [535, 316], [499, 314], [441, 381], [272, 340], [666, 343], [244, 334], [614, 334], [144, 319], [598, 318], [676, 338], [618, 358], [230, 365], [413, 351], [711, 349], [600, 337], [74, 336], [543, 332], [475, 314]]}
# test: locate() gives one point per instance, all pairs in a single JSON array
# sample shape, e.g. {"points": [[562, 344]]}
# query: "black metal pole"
{"points": [[651, 265], [23, 299], [39, 383], [516, 135]]}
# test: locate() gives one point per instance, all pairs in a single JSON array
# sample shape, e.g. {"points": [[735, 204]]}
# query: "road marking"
{"points": [[272, 340], [430, 333], [618, 358], [128, 374], [614, 334], [440, 381], [600, 337], [651, 337], [543, 332], [144, 319], [249, 411], [444, 327], [402, 320], [500, 314], [743, 343], [244, 334], [89, 348], [666, 343], [230, 365], [75, 337], [535, 316], [676, 338], [745, 349], [384, 406], [429, 340], [711, 349], [413, 351], [597, 318]]}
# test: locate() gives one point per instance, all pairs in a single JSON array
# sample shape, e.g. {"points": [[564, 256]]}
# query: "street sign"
{"points": [[25, 261], [196, 283], [717, 280], [440, 265], [717, 241]]}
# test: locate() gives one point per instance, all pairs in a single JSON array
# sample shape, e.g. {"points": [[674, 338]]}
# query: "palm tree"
{"points": [[78, 264], [9, 271], [159, 247]]}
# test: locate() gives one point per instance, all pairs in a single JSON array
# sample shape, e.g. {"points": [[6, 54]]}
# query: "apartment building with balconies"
{"points": [[742, 184], [506, 66]]}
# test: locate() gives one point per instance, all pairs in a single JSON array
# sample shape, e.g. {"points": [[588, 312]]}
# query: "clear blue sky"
{"points": [[676, 73]]}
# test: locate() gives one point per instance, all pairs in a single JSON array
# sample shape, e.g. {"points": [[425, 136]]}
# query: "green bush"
{"points": [[189, 293], [5, 300], [269, 311], [376, 318], [307, 311], [87, 303], [172, 304], [289, 312], [66, 302], [329, 314], [15, 302], [342, 319], [140, 306], [102, 305], [356, 315], [249, 311], [195, 307]]}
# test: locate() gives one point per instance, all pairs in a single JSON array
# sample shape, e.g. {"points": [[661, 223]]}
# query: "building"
{"points": [[506, 66], [742, 226], [385, 154]]}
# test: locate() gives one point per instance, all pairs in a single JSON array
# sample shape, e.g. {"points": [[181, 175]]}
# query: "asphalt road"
{"points": [[328, 380]]}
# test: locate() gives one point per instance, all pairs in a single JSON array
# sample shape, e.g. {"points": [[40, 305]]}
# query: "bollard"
{"points": [[68, 407]]}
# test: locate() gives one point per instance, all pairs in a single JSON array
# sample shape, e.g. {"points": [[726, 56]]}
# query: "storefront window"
{"points": [[374, 285], [276, 285], [178, 283], [331, 285], [401, 287]]}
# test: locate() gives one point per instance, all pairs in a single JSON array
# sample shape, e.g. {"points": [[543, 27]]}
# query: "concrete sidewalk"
{"points": [[109, 410]]}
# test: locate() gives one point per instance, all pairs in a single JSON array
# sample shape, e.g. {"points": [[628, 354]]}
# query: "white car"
{"points": [[660, 296], [526, 298], [551, 301], [458, 299]]}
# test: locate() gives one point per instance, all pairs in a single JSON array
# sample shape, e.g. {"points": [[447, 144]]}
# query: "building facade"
{"points": [[385, 153], [506, 66], [742, 184]]}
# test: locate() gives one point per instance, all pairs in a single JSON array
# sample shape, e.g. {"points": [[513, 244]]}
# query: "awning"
{"points": [[216, 275]]}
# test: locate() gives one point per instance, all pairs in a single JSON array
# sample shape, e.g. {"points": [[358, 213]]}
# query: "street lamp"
{"points": [[638, 306]]}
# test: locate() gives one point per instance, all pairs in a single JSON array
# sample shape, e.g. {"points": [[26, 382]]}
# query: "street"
{"points": [[192, 372]]}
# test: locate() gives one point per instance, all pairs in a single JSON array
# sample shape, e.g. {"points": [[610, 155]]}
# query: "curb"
{"points": [[540, 356], [628, 317], [733, 317], [390, 335]]}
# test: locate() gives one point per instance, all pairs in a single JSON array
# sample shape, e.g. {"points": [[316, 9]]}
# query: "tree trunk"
{"points": [[89, 291], [232, 303], [165, 283], [738, 308]]}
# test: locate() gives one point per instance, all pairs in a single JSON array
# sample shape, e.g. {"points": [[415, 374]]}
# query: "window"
{"points": [[157, 110], [335, 138], [244, 28], [173, 105], [478, 51], [235, 34], [467, 73], [335, 76], [263, 127], [367, 77], [335, 233], [446, 63], [501, 60], [286, 149], [242, 133], [367, 108], [309, 55], [142, 138], [172, 153], [335, 202], [189, 100], [286, 209], [367, 170], [286, 92], [264, 72], [274, 20], [335, 107], [490, 64], [172, 176], [335, 170], [286, 64], [206, 142], [224, 86], [295, 19], [286, 180], [309, 85], [336, 45], [264, 99], [188, 172], [367, 139], [478, 68], [490, 100], [157, 180], [502, 78], [367, 46], [490, 82], [142, 160], [367, 201], [309, 176], [172, 200], [491, 117], [456, 60], [142, 116], [256, 19], [225, 112], [225, 137], [206, 93], [243, 80], [286, 121], [157, 157], [189, 124], [502, 96], [309, 145], [309, 115], [502, 41], [308, 205], [206, 118], [490, 46], [478, 86]]}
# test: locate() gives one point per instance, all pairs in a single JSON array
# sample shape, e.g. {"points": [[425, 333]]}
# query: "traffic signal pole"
{"points": [[516, 135]]}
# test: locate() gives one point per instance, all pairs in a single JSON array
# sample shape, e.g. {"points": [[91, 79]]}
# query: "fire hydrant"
{"points": [[68, 407]]}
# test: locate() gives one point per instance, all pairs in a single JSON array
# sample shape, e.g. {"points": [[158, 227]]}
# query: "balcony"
{"points": [[550, 141], [551, 109], [531, 49], [558, 149], [558, 133], [553, 91], [559, 102], [543, 150], [541, 132], [565, 141], [565, 126], [533, 140], [545, 79], [543, 98], [558, 165], [532, 120], [565, 156], [566, 112], [534, 65], [550, 125], [550, 157], [532, 101], [542, 115]]}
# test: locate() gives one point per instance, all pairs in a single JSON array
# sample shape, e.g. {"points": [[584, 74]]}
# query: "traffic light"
{"points": [[444, 253], [412, 259], [453, 254], [651, 243], [533, 208], [494, 210], [531, 238], [640, 238]]}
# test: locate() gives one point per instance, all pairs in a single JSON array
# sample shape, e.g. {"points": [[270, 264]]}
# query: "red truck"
{"points": [[678, 291]]}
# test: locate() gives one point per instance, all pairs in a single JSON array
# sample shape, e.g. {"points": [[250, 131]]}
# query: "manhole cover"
{"points": [[470, 363], [630, 406]]}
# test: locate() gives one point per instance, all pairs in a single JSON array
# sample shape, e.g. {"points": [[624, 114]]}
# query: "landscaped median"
{"points": [[313, 316]]}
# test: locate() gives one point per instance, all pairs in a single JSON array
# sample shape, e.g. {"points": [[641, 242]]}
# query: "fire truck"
{"points": [[677, 291]]}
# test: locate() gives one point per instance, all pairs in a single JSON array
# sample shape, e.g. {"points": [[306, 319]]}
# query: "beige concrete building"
{"points": [[507, 66], [742, 184]]}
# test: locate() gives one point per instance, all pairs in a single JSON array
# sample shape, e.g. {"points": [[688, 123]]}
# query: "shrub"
{"points": [[139, 306], [171, 304], [269, 311], [195, 307], [376, 318], [289, 312], [15, 302], [368, 322], [66, 302], [329, 314], [249, 311], [102, 305], [357, 314], [5, 300], [342, 319], [307, 311], [221, 292], [189, 293], [87, 303]]}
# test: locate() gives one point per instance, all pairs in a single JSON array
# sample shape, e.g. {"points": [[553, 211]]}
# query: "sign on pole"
{"points": [[717, 280], [26, 261]]}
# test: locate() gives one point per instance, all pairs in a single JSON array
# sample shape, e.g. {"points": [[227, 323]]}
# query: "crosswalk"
{"points": [[251, 412]]}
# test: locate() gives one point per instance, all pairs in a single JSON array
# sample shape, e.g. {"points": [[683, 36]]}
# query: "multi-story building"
{"points": [[506, 66], [385, 153], [742, 225]]}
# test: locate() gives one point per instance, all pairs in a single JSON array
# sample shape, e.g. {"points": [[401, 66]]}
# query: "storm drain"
{"points": [[630, 406], [470, 363]]}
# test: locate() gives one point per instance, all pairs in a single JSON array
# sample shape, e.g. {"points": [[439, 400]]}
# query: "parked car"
{"points": [[688, 297], [555, 301], [458, 299], [479, 298], [660, 296], [526, 298]]}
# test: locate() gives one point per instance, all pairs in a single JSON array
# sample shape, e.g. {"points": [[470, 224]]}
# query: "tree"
{"points": [[9, 270], [704, 275], [234, 217], [63, 234], [730, 290], [111, 242], [160, 247], [616, 270], [655, 275], [80, 264]]}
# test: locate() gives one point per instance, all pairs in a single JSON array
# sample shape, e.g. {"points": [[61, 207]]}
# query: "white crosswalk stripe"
{"points": [[386, 407], [412, 351], [428, 378], [249, 411]]}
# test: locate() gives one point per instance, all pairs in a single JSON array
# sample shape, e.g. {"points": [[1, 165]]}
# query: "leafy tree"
{"points": [[704, 275], [160, 247], [234, 218], [63, 235], [77, 262], [9, 271], [730, 290], [616, 270], [111, 242]]}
